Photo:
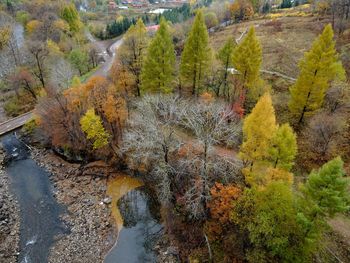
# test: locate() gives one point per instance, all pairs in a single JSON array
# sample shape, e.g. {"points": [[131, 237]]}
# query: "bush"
{"points": [[3, 86], [276, 25], [22, 17], [29, 127], [11, 107], [211, 20], [15, 106]]}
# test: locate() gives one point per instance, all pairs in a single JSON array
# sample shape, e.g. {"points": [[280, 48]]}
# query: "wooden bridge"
{"points": [[15, 123]]}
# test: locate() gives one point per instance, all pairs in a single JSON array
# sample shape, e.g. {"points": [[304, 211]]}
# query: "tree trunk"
{"points": [[194, 82], [41, 74], [30, 90]]}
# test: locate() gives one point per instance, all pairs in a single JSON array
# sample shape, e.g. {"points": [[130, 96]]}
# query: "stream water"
{"points": [[137, 219], [135, 211], [39, 211]]}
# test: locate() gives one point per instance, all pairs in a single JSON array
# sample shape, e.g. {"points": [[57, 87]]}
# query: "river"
{"points": [[137, 218], [135, 212], [39, 210]]}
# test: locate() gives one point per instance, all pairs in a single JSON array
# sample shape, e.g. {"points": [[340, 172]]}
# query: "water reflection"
{"points": [[140, 224]]}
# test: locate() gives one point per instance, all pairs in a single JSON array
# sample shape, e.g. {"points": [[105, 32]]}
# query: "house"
{"points": [[152, 28]]}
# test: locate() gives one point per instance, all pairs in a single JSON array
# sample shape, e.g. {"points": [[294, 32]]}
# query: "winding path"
{"points": [[107, 50]]}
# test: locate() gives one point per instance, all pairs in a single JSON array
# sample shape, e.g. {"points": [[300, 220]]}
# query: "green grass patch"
{"points": [[86, 76]]}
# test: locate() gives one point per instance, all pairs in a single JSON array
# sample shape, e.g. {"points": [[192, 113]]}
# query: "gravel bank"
{"points": [[9, 219], [88, 215], [83, 191]]}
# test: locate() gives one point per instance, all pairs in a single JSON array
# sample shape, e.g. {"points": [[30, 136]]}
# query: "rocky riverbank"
{"points": [[9, 218], [83, 191]]}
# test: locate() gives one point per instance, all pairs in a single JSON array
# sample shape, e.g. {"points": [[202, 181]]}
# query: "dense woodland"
{"points": [[249, 164]]}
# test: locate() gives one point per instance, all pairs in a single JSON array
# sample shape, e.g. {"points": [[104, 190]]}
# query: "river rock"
{"points": [[2, 154], [86, 219], [107, 200], [9, 219]]}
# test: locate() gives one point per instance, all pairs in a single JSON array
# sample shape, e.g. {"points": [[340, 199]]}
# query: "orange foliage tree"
{"points": [[241, 10], [124, 82], [223, 234], [60, 114], [221, 206]]}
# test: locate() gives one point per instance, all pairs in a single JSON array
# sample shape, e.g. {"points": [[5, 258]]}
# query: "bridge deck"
{"points": [[15, 123]]}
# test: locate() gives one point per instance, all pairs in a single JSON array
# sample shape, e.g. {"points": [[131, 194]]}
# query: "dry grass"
{"points": [[282, 47], [341, 225], [284, 42]]}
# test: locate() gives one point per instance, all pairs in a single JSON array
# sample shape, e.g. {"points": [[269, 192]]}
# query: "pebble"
{"points": [[9, 218], [88, 223]]}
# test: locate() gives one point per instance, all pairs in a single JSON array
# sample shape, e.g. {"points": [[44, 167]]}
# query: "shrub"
{"points": [[11, 107], [29, 127]]}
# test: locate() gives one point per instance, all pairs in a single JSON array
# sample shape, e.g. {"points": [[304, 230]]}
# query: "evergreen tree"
{"points": [[158, 70], [318, 68], [196, 56], [247, 59], [286, 4], [258, 130], [225, 56], [268, 216], [117, 28], [328, 188], [132, 51], [178, 14], [284, 147], [324, 195], [266, 8]]}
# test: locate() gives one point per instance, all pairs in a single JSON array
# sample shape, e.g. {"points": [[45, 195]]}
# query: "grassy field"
{"points": [[284, 40]]}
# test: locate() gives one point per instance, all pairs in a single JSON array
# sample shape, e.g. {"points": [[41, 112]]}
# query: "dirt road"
{"points": [[107, 49]]}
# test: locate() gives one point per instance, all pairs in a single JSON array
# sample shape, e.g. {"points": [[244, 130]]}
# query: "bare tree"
{"points": [[211, 124], [177, 142], [93, 56], [61, 74], [9, 52], [23, 79], [325, 134], [39, 53], [151, 139], [338, 97]]}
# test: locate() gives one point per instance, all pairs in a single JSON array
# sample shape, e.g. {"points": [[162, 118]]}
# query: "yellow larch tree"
{"points": [[319, 67], [259, 128]]}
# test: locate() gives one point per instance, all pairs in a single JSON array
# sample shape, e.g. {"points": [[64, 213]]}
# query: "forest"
{"points": [[234, 114]]}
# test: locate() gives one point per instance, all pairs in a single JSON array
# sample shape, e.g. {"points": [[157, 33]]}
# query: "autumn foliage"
{"points": [[60, 115], [221, 206]]}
